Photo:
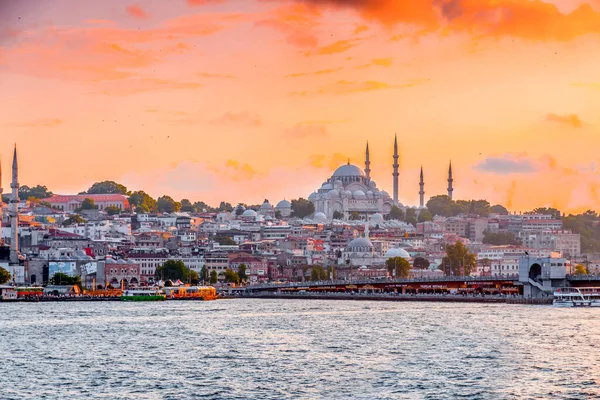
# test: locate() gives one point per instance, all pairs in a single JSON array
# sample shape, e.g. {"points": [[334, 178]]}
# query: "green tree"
{"points": [[224, 240], [411, 216], [458, 260], [225, 207], [242, 272], [214, 277], [194, 279], [486, 264], [441, 205], [397, 213], [203, 274], [580, 269], [63, 279], [88, 204], [107, 187], [338, 215], [421, 263], [500, 238], [354, 216], [498, 209], [547, 210], [278, 214], [173, 270], [200, 206], [5, 276], [142, 203], [318, 273], [588, 227], [112, 210], [167, 205], [187, 206], [74, 220], [37, 192], [302, 208], [424, 215], [231, 276], [401, 265], [239, 209]]}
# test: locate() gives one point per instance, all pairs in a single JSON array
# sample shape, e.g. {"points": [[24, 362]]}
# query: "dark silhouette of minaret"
{"points": [[450, 180], [395, 174], [368, 164], [422, 190], [13, 212]]}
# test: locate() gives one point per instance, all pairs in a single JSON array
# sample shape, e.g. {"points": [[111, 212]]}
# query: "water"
{"points": [[297, 349]]}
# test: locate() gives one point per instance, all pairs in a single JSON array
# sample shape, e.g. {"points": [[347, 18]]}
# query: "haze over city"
{"points": [[246, 100]]}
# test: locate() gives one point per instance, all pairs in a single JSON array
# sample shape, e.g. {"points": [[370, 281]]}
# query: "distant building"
{"points": [[72, 203]]}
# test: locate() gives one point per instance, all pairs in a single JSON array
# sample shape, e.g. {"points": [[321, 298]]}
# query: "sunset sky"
{"points": [[242, 100]]}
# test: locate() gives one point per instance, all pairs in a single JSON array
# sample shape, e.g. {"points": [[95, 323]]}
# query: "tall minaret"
{"points": [[422, 190], [13, 212], [395, 174], [368, 164], [450, 180]]}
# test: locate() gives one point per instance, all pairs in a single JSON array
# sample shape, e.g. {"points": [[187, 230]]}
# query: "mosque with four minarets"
{"points": [[351, 190]]}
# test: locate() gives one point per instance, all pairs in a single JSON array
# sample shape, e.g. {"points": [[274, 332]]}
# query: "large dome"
{"points": [[284, 204], [360, 244], [397, 252], [320, 217], [249, 214], [348, 170]]}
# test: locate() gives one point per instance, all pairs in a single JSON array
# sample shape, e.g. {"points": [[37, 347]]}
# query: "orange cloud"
{"points": [[238, 172], [571, 119], [243, 118], [134, 85], [209, 75], [346, 87], [39, 123], [321, 72], [379, 62], [338, 47], [361, 28], [203, 2], [136, 11], [303, 131], [296, 21]]}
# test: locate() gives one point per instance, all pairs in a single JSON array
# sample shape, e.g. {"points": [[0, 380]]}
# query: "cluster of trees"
{"points": [[399, 265], [319, 273], [302, 208], [588, 226], [458, 260], [444, 206], [500, 238], [411, 216], [5, 276], [421, 263], [173, 270], [63, 279]]}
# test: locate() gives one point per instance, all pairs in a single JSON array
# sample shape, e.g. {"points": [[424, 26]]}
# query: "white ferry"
{"points": [[577, 297]]}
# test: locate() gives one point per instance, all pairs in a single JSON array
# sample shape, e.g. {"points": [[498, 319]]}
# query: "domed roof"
{"points": [[327, 186], [130, 261], [285, 203], [397, 252], [249, 213], [320, 217], [313, 196], [266, 205], [62, 258], [359, 194], [377, 218], [333, 193], [358, 243], [80, 253], [348, 170], [121, 261]]}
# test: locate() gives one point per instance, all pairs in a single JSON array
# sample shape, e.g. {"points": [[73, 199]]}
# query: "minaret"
{"points": [[368, 164], [421, 191], [395, 174], [450, 180], [13, 212]]}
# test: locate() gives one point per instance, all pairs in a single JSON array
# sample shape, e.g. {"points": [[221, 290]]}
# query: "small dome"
{"points": [[397, 252], [359, 194], [249, 214], [320, 217], [130, 261], [88, 258], [333, 194], [313, 196], [80, 253], [63, 258], [348, 193], [377, 218], [121, 261], [286, 204], [266, 206], [327, 186], [384, 193], [348, 170], [360, 245], [370, 194]]}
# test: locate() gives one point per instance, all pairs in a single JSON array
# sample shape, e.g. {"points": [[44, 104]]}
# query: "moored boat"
{"points": [[143, 295], [577, 297]]}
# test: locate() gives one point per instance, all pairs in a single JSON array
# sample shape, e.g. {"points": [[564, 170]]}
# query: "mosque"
{"points": [[351, 190]]}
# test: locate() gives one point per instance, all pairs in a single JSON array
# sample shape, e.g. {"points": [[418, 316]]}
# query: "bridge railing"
{"points": [[366, 281], [583, 277]]}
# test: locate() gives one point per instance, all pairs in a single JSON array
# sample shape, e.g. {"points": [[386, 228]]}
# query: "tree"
{"points": [[36, 192], [547, 210], [500, 238], [167, 205], [580, 269], [187, 206], [200, 206], [242, 272], [338, 215], [302, 208], [397, 213], [225, 207], [203, 274], [354, 216], [401, 265], [224, 240], [239, 210], [63, 279], [107, 187], [424, 215], [231, 276], [498, 209], [318, 273], [441, 205], [458, 260], [193, 278], [112, 210], [5, 276], [88, 204], [142, 202], [411, 216], [421, 263], [588, 226], [173, 270], [214, 277], [486, 264], [74, 220]]}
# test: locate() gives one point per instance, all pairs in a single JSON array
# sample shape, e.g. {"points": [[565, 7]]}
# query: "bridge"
{"points": [[441, 284]]}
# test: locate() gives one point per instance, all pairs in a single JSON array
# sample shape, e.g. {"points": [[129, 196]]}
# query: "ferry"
{"points": [[143, 295], [577, 297]]}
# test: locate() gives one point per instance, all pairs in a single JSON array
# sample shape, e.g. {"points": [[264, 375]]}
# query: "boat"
{"points": [[143, 295], [577, 297]]}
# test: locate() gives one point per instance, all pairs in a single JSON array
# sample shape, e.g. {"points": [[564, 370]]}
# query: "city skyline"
{"points": [[229, 100]]}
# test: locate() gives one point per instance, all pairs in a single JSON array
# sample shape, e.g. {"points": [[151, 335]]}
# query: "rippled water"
{"points": [[297, 349]]}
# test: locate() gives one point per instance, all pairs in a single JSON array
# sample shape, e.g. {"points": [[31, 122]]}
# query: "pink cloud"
{"points": [[136, 11]]}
